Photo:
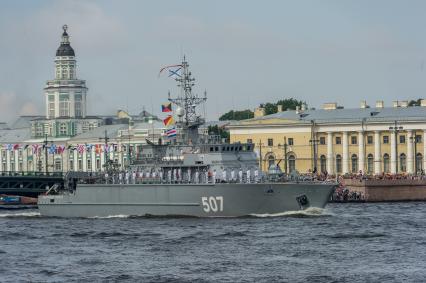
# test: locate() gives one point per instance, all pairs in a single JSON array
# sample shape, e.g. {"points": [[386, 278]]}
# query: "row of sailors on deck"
{"points": [[178, 175]]}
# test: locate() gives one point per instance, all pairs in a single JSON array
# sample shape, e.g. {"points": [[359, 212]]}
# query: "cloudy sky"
{"points": [[242, 52]]}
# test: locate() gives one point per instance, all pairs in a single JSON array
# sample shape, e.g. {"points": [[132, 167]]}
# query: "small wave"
{"points": [[111, 216], [21, 214], [357, 236], [310, 212], [232, 234]]}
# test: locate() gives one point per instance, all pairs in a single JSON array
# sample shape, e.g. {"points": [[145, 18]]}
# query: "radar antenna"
{"points": [[188, 101]]}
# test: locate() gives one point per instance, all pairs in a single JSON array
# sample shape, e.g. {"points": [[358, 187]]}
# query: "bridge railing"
{"points": [[30, 174]]}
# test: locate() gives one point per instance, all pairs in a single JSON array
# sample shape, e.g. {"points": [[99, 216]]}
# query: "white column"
{"points": [[330, 159], [393, 152], [8, 160], [25, 159], [377, 153], [75, 160], [345, 144], [84, 155], [93, 160], [410, 152], [424, 150], [361, 155]]}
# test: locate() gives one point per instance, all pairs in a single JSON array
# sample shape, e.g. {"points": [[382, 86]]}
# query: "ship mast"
{"points": [[189, 120]]}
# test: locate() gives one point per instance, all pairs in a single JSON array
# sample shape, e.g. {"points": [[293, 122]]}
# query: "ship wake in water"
{"points": [[310, 212], [20, 214]]}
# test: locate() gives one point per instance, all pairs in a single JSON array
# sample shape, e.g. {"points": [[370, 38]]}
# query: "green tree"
{"points": [[218, 131], [237, 115], [415, 102], [290, 103], [270, 108]]}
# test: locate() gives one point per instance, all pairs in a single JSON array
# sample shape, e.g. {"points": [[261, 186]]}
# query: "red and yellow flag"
{"points": [[169, 120]]}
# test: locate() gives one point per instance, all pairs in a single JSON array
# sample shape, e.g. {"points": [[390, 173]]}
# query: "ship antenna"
{"points": [[188, 102]]}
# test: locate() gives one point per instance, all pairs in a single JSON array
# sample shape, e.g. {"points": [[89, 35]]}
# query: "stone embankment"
{"points": [[382, 190]]}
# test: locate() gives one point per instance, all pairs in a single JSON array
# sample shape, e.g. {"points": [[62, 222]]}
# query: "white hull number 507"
{"points": [[212, 204]]}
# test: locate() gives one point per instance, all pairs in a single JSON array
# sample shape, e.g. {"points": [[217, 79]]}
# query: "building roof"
{"points": [[65, 48], [14, 135], [387, 114], [99, 132]]}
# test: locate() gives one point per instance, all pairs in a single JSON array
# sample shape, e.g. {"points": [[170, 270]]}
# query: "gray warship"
{"points": [[194, 174]]}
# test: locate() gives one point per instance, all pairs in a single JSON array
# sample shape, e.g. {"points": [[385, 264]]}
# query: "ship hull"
{"points": [[199, 200]]}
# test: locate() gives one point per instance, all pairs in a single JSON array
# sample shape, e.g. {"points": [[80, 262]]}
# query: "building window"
{"points": [[354, 163], [322, 140], [418, 138], [78, 103], [271, 161], [353, 140], [98, 164], [270, 142], [370, 159], [323, 164], [338, 140], [290, 141], [63, 129], [291, 163], [58, 165], [419, 163], [338, 163], [89, 165], [51, 106], [385, 139], [402, 139], [64, 105], [249, 141], [386, 163], [369, 139], [402, 162], [71, 165], [80, 165], [20, 166]]}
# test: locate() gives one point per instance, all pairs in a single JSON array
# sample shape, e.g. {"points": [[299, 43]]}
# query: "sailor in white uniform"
{"points": [[240, 176], [196, 177], [248, 173], [256, 176], [233, 175]]}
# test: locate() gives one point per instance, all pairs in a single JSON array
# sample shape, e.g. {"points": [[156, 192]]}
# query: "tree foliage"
{"points": [[218, 131], [415, 102], [270, 108], [237, 115]]}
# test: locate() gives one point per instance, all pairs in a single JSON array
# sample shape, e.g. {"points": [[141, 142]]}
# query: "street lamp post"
{"points": [[395, 128], [285, 154], [413, 139]]}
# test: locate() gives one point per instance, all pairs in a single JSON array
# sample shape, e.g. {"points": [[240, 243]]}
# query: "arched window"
{"points": [[386, 163], [402, 162], [323, 163], [419, 162], [291, 163], [338, 163], [370, 159], [271, 161], [354, 163]]}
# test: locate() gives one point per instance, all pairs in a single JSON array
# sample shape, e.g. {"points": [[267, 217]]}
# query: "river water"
{"points": [[360, 242]]}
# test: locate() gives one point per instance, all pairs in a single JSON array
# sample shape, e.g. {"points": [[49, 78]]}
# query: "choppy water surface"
{"points": [[344, 243]]}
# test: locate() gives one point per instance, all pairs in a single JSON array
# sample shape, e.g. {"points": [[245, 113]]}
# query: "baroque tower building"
{"points": [[65, 96]]}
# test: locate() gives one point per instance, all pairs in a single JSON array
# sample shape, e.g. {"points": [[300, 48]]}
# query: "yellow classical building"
{"points": [[337, 140]]}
